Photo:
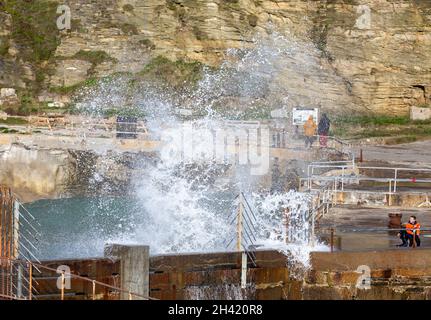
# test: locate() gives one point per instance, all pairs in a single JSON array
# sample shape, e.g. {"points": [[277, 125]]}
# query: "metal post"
{"points": [[335, 191], [239, 224], [244, 270], [332, 240], [62, 285], [94, 290], [30, 281], [130, 296], [342, 179], [16, 230], [390, 194], [312, 227], [19, 281], [395, 180], [286, 225]]}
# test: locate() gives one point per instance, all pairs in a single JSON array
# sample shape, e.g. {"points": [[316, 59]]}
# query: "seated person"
{"points": [[410, 234]]}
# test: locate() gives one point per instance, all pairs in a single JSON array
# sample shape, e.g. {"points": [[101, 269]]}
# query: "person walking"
{"points": [[323, 130], [309, 131]]}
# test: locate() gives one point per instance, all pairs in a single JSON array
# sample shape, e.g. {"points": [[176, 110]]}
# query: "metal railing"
{"points": [[82, 127], [25, 277], [341, 177], [281, 138], [19, 237], [244, 219]]}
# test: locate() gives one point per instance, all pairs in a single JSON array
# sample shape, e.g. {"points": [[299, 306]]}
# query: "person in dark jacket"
{"points": [[323, 130]]}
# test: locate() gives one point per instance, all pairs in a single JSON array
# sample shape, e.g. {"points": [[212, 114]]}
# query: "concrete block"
{"points": [[134, 268]]}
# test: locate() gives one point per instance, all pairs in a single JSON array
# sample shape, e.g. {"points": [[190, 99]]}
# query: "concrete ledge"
{"points": [[403, 258]]}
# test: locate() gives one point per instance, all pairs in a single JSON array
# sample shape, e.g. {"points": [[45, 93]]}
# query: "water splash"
{"points": [[219, 292], [184, 204]]}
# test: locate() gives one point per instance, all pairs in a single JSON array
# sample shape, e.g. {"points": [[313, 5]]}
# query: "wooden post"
{"points": [[94, 290]]}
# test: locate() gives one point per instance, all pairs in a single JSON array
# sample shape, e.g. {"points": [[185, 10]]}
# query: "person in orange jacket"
{"points": [[411, 233], [309, 131]]}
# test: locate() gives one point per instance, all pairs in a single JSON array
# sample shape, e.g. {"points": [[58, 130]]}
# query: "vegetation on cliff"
{"points": [[36, 36], [175, 73]]}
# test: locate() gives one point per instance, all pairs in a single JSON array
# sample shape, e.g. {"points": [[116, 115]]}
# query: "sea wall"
{"points": [[394, 275]]}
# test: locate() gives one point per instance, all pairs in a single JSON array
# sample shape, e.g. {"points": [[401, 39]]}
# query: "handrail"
{"points": [[30, 265], [395, 178], [373, 229]]}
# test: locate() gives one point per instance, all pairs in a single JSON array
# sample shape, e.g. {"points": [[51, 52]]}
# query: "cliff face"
{"points": [[366, 55]]}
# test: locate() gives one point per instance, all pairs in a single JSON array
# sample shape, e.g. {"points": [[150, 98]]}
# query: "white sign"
{"points": [[301, 115]]}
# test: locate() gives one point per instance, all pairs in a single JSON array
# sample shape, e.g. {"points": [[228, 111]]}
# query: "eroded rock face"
{"points": [[70, 72], [372, 55], [35, 174]]}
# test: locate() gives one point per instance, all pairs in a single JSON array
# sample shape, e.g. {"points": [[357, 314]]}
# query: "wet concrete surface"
{"points": [[418, 152], [366, 228]]}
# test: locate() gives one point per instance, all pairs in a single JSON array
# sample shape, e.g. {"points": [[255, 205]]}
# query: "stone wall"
{"points": [[35, 173], [395, 275], [382, 65]]}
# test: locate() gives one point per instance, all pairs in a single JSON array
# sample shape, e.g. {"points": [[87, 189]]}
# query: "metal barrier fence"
{"points": [[18, 240], [281, 138], [26, 279], [349, 172], [244, 219], [99, 127], [77, 126]]}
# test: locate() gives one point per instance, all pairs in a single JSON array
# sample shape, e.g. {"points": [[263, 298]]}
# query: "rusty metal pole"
{"points": [[30, 281], [414, 239], [332, 240], [361, 158], [62, 285]]}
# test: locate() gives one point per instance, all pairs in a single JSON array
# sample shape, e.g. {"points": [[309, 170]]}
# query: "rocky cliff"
{"points": [[361, 55]]}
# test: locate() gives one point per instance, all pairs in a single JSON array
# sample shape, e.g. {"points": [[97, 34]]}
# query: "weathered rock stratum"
{"points": [[372, 55]]}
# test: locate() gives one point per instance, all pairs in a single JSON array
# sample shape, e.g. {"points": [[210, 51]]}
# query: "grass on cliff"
{"points": [[400, 129], [34, 27], [14, 121], [175, 73], [35, 33]]}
